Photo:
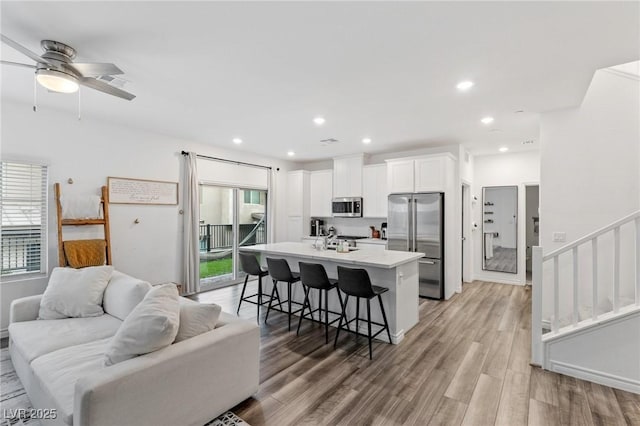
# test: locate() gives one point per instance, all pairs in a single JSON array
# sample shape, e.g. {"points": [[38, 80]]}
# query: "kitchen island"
{"points": [[395, 270]]}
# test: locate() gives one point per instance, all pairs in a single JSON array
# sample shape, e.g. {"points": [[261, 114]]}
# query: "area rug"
{"points": [[15, 405]]}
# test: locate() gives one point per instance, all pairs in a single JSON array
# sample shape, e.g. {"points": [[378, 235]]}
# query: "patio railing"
{"points": [[215, 237]]}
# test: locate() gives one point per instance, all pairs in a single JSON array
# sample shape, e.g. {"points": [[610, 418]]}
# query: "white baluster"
{"points": [[616, 269], [594, 273], [576, 313], [638, 261], [536, 307], [556, 295]]}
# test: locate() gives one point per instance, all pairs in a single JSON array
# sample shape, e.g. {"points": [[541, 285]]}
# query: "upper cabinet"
{"points": [[321, 193], [431, 173], [374, 190], [400, 176], [298, 193], [347, 176], [297, 204], [424, 174]]}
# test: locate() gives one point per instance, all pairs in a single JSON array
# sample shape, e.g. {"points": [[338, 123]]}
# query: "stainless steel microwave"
{"points": [[347, 207]]}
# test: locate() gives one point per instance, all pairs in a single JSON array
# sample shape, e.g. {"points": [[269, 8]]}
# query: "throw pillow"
{"points": [[152, 325], [197, 318], [75, 292], [123, 294]]}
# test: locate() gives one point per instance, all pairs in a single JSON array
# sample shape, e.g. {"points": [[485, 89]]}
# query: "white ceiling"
{"points": [[209, 72]]}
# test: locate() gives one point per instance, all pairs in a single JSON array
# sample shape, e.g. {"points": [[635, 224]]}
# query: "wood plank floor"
{"points": [[466, 362]]}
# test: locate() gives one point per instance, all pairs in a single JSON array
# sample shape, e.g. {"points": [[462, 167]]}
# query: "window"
{"points": [[252, 197], [23, 200]]}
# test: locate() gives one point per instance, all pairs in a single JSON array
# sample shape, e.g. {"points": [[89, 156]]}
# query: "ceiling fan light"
{"points": [[57, 81]]}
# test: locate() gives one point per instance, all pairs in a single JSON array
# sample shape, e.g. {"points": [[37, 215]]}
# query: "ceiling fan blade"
{"points": [[95, 69], [17, 64], [105, 88], [20, 48]]}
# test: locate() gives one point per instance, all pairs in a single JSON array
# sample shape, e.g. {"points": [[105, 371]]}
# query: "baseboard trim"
{"points": [[599, 377]]}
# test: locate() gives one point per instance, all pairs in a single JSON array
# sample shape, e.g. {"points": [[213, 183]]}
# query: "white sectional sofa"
{"points": [[61, 365]]}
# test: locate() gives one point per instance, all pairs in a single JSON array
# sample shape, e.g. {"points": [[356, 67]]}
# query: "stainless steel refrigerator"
{"points": [[416, 223]]}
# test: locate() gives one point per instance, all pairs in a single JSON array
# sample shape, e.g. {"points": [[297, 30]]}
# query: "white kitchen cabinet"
{"points": [[320, 193], [347, 176], [297, 193], [400, 176], [295, 228], [374, 190], [432, 174]]}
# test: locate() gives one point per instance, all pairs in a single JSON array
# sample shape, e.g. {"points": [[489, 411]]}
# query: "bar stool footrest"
{"points": [[264, 296], [364, 321]]}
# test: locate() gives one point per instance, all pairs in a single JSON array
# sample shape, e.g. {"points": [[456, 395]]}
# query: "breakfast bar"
{"points": [[395, 270]]}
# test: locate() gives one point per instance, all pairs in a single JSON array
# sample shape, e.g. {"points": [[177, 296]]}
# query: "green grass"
{"points": [[213, 268]]}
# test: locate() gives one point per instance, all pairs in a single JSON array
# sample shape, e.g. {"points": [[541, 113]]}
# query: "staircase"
{"points": [[586, 306]]}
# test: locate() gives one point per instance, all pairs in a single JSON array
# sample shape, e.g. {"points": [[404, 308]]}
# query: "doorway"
{"points": [[532, 232], [230, 218]]}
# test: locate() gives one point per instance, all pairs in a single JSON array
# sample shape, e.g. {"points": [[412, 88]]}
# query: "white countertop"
{"points": [[364, 257]]}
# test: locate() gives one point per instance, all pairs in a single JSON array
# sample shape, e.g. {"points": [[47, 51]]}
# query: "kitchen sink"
{"points": [[350, 248]]}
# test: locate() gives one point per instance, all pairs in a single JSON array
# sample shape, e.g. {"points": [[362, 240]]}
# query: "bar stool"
{"points": [[356, 282], [251, 266], [313, 275], [280, 271]]}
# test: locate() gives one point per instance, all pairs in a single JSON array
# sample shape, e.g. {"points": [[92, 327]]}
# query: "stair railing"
{"points": [[537, 279]]}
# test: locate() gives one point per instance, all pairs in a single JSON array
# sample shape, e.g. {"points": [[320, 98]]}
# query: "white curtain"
{"points": [[271, 205], [191, 255]]}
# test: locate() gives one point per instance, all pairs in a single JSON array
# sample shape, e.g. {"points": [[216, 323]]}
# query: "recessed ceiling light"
{"points": [[291, 153], [503, 149], [487, 120], [237, 141], [464, 85], [319, 121], [366, 140]]}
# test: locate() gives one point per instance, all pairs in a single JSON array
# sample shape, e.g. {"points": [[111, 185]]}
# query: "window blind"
{"points": [[23, 201]]}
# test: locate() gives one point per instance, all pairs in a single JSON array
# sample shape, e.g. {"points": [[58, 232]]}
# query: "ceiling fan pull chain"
{"points": [[35, 94], [79, 105]]}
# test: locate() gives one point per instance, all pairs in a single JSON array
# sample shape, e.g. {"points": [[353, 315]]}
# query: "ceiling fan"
{"points": [[56, 71]]}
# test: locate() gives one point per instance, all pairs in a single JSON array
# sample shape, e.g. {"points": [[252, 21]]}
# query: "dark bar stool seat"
{"points": [[280, 272], [251, 266], [313, 275], [356, 282]]}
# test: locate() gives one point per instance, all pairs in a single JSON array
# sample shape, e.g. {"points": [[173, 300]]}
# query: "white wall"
{"points": [[505, 169], [88, 151], [466, 172], [590, 177]]}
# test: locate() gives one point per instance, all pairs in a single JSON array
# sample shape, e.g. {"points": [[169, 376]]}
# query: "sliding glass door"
{"points": [[229, 218]]}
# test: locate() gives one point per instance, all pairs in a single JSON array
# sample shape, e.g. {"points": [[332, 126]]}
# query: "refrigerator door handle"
{"points": [[415, 224], [410, 225]]}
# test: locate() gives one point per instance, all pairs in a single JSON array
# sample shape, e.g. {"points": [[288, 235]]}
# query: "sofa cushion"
{"points": [[75, 292], [123, 294], [58, 371], [36, 338], [152, 325], [196, 318]]}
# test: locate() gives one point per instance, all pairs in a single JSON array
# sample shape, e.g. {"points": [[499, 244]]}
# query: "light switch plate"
{"points": [[559, 237]]}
